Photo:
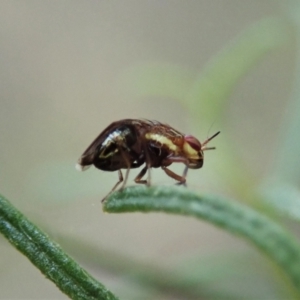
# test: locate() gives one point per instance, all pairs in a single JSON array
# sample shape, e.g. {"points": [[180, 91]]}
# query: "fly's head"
{"points": [[193, 150]]}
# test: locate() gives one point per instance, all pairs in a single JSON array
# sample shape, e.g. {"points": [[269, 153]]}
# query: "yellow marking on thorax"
{"points": [[162, 140]]}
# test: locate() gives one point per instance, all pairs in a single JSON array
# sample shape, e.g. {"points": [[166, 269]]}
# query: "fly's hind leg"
{"points": [[126, 159], [121, 179]]}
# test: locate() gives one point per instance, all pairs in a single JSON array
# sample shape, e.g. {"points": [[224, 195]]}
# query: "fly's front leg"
{"points": [[180, 179], [184, 176], [176, 159]]}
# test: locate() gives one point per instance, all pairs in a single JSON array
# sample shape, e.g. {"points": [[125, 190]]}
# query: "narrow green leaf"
{"points": [[148, 276], [283, 178], [156, 79], [219, 77], [273, 193], [210, 89], [46, 255], [287, 160], [235, 218]]}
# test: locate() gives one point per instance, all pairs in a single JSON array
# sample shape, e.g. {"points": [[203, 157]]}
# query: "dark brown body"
{"points": [[129, 143]]}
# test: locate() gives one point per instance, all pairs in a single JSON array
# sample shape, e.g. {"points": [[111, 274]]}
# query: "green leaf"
{"points": [[206, 93], [283, 196], [150, 277], [233, 217], [156, 79], [46, 255], [220, 76], [281, 187]]}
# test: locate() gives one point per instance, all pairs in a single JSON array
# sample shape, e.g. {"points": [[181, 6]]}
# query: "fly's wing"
{"points": [[88, 156]]}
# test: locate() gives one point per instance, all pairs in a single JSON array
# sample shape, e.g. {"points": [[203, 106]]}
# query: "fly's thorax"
{"points": [[163, 141]]}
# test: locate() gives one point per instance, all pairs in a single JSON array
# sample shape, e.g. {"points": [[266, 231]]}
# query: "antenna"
{"points": [[207, 141]]}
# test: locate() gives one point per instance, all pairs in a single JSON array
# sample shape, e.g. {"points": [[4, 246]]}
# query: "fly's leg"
{"points": [[128, 168], [180, 179], [148, 166], [138, 178], [121, 179], [148, 182], [175, 159], [184, 176], [115, 186]]}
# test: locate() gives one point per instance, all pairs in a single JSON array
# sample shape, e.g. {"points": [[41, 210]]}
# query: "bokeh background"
{"points": [[70, 68]]}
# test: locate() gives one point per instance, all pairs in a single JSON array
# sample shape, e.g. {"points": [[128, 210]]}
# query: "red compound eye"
{"points": [[193, 142]]}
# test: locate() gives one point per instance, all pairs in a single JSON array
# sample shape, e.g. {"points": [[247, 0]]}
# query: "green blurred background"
{"points": [[70, 68]]}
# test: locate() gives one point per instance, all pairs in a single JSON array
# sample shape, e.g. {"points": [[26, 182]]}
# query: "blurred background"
{"points": [[70, 68]]}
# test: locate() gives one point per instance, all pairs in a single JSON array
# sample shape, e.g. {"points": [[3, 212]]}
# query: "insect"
{"points": [[130, 143]]}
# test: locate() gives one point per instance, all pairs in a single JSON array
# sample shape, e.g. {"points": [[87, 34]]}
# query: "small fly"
{"points": [[130, 143]]}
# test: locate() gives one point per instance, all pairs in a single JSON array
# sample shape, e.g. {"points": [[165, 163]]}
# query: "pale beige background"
{"points": [[60, 68]]}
